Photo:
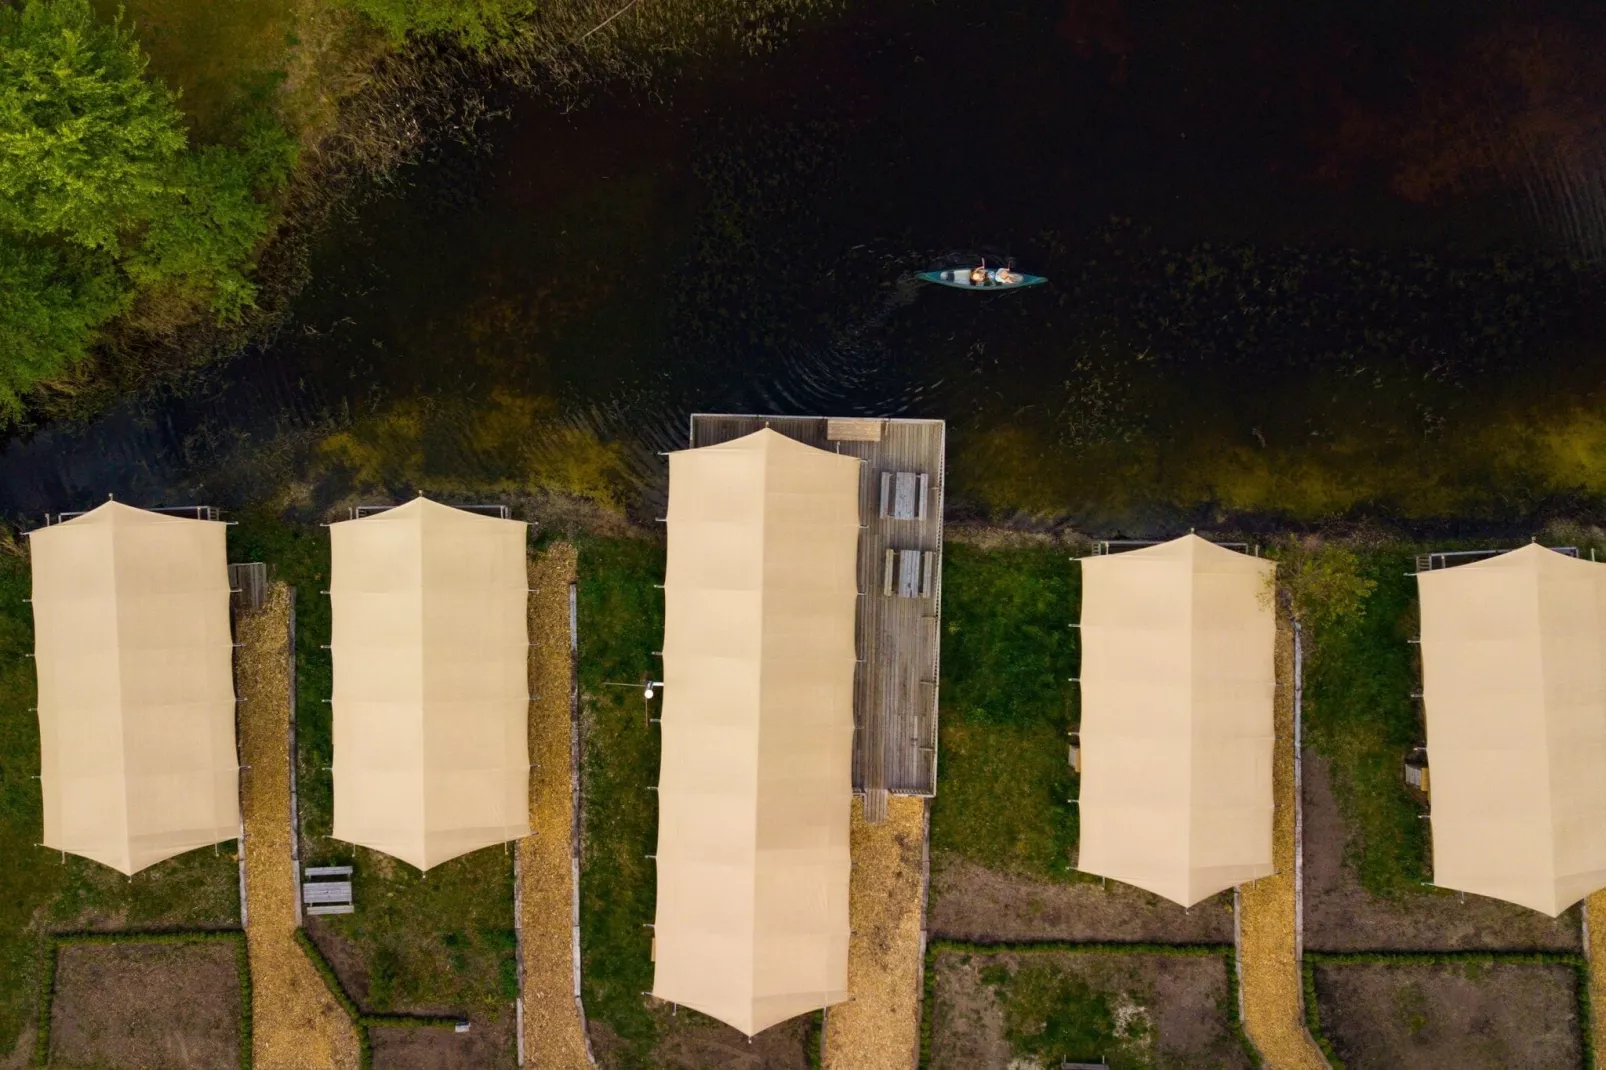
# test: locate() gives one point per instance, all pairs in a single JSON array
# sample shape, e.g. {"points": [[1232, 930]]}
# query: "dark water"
{"points": [[1306, 261]]}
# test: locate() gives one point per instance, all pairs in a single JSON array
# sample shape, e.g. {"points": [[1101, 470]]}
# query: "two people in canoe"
{"points": [[981, 275]]}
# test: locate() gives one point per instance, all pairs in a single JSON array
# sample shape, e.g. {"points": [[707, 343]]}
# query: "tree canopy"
{"points": [[102, 197]]}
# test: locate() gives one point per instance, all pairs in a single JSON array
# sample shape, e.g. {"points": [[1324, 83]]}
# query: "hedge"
{"points": [[52, 954], [360, 1019], [1047, 947], [1576, 961]]}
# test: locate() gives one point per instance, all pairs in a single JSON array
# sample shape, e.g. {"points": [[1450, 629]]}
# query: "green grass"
{"points": [[1004, 779], [1053, 1014], [621, 623], [40, 891], [441, 941], [1358, 713], [444, 941]]}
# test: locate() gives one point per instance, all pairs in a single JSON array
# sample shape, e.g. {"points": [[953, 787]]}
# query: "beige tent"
{"points": [[136, 686], [1177, 687], [1514, 681], [760, 598], [431, 696]]}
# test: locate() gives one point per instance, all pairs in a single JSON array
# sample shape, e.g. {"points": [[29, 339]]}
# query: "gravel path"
{"points": [[880, 1028], [1595, 921], [554, 1035], [1268, 954], [295, 1021]]}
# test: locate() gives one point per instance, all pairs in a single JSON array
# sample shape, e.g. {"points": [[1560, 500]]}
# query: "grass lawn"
{"points": [[1358, 713], [621, 624], [39, 890], [438, 943], [1007, 704]]}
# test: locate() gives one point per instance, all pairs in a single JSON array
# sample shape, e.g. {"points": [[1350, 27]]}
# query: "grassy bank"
{"points": [[1358, 713], [621, 624], [1008, 652]]}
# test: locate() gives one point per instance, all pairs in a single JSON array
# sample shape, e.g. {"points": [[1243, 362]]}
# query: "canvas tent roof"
{"points": [[1514, 684], [431, 690], [760, 600], [1177, 686], [136, 686]]}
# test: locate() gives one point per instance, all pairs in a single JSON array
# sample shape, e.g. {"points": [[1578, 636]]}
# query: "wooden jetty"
{"points": [[900, 588]]}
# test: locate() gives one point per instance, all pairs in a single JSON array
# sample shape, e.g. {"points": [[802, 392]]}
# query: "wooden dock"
{"points": [[900, 588]]}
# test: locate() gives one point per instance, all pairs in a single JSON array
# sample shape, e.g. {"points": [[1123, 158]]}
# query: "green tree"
{"points": [[87, 144], [51, 302], [102, 198], [1325, 583]]}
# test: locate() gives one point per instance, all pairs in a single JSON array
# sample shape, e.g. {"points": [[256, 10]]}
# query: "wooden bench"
{"points": [[903, 495], [327, 896], [908, 573]]}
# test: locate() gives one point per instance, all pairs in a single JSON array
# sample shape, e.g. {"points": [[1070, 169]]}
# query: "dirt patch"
{"points": [[138, 1005], [489, 1042], [1340, 915], [972, 903], [1450, 1017], [343, 956], [1158, 1010], [691, 1041]]}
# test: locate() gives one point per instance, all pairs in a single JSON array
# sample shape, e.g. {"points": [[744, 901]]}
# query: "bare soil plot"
{"points": [[1462, 1016], [1340, 915], [687, 1040], [139, 1005], [1002, 1009], [972, 903], [488, 1043]]}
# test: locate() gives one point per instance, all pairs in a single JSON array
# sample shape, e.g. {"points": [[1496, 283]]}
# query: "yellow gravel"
{"points": [[1595, 912], [295, 1022], [1273, 1012], [553, 1036], [879, 1029]]}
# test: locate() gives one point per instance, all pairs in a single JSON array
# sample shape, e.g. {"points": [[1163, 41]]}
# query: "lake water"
{"points": [[1307, 261]]}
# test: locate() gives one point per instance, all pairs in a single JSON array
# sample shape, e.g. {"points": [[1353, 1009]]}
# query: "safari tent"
{"points": [[756, 785], [430, 643], [136, 686], [1514, 685], [1177, 685]]}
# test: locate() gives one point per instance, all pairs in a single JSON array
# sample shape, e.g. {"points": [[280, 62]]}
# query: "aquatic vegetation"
{"points": [[507, 443]]}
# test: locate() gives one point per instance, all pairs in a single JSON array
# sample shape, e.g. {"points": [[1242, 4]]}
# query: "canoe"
{"points": [[959, 278]]}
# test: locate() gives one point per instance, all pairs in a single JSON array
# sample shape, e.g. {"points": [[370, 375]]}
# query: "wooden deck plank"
{"points": [[895, 694]]}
